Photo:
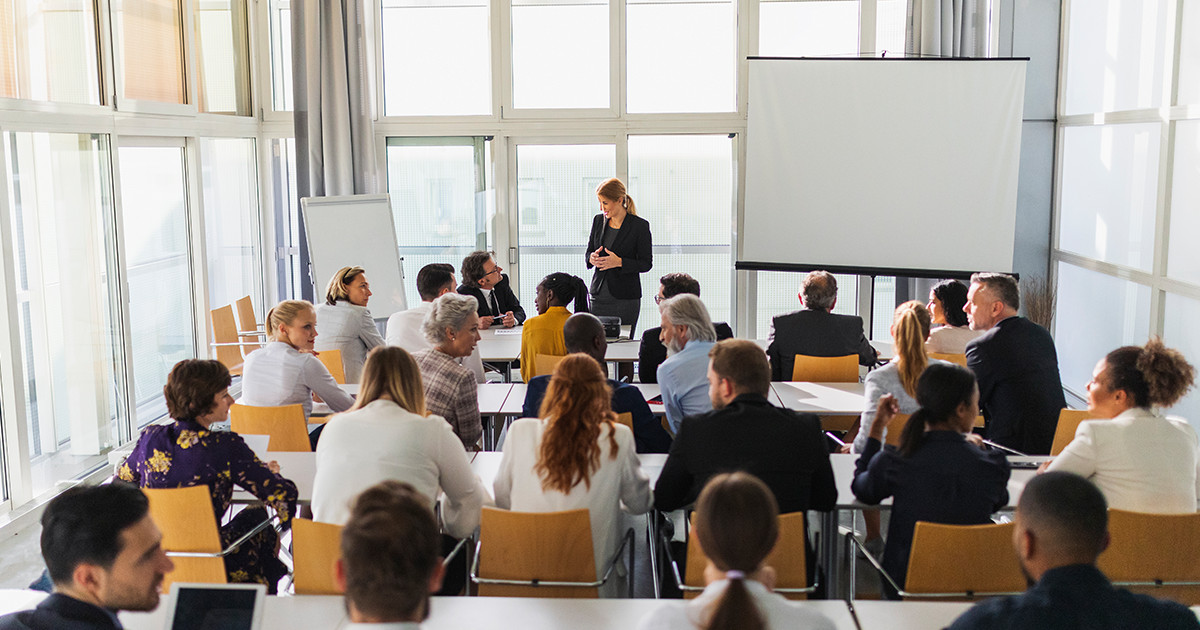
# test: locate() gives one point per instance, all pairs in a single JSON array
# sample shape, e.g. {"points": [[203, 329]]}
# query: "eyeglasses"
{"points": [[497, 269], [658, 299]]}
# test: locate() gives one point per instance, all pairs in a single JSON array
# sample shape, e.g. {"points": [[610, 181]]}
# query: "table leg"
{"points": [[652, 532], [831, 560]]}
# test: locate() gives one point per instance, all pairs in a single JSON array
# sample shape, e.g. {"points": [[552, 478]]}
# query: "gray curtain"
{"points": [[947, 28]]}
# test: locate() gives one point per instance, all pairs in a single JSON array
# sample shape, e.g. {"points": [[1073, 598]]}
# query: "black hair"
{"points": [[84, 524], [675, 283], [953, 296], [1067, 510], [567, 288], [940, 390], [432, 278]]}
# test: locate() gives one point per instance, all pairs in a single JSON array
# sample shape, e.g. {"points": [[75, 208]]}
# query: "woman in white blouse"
{"points": [[576, 456], [345, 322], [285, 372], [1142, 460], [736, 524], [946, 301]]}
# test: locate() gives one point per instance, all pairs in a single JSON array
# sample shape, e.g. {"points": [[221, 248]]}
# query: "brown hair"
{"points": [[737, 525], [392, 372], [472, 267], [819, 289], [192, 386], [285, 313], [743, 363], [390, 552], [911, 323], [614, 190], [337, 289], [576, 405], [1152, 374]]}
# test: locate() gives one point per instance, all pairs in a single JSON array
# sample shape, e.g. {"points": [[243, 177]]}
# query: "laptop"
{"points": [[215, 606]]}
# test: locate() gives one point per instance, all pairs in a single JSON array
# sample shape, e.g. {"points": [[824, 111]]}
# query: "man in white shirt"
{"points": [[404, 327]]}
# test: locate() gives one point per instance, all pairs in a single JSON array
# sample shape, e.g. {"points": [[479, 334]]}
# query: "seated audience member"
{"points": [[1017, 367], [543, 333], [404, 328], [577, 456], [186, 453], [736, 524], [450, 389], [953, 332], [652, 352], [285, 372], [345, 322], [937, 475], [389, 564], [1141, 460], [688, 334], [482, 280], [584, 333], [816, 330], [1061, 527], [103, 553]]}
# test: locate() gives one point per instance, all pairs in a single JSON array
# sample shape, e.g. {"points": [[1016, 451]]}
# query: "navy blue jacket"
{"points": [[61, 612], [648, 434]]}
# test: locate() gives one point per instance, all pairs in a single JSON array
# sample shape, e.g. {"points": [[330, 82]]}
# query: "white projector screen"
{"points": [[897, 167]]}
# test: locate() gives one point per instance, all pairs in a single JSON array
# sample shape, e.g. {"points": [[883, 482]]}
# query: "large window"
{"points": [[560, 54], [149, 38], [425, 42], [48, 51], [681, 56], [224, 60], [807, 28], [231, 234]]}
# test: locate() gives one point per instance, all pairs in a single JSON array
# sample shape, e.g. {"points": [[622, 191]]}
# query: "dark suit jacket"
{"points": [[649, 436], [1019, 387], [60, 612], [505, 298], [652, 352], [633, 245], [817, 334]]}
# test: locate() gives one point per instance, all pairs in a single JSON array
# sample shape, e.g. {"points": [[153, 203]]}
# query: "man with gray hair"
{"points": [[815, 330], [688, 334]]}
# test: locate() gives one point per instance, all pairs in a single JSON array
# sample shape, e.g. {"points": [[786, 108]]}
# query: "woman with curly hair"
{"points": [[575, 456]]}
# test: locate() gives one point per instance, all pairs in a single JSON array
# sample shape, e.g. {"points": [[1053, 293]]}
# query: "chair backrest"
{"points": [[965, 559], [787, 558], [185, 517], [333, 362], [548, 546], [248, 324], [316, 548], [895, 428], [1068, 421], [545, 363], [285, 424], [225, 331], [626, 419], [956, 358], [826, 369], [1149, 547]]}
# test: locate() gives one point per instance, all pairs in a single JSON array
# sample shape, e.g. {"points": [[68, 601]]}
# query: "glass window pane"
{"points": [[1096, 313], [778, 294], [58, 190], [229, 177], [817, 28], [1180, 332], [673, 69], [281, 55], [224, 85], [150, 35], [286, 216], [560, 54], [154, 208], [48, 51], [1115, 57], [1183, 257], [1189, 56], [1109, 192], [456, 36], [891, 20]]}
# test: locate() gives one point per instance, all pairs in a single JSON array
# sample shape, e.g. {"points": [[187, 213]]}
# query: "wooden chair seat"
{"points": [[316, 548], [842, 369], [1068, 422], [1156, 554], [787, 558], [285, 424], [545, 363], [971, 560]]}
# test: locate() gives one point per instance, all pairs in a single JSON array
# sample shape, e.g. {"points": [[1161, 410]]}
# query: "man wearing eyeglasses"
{"points": [[652, 352], [483, 280]]}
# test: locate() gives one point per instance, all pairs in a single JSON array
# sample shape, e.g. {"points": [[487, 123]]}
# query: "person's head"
{"points": [[479, 269], [949, 401], [435, 280], [673, 284], [561, 289], [818, 292], [391, 373], [577, 404], [198, 389], [614, 200], [452, 325], [1061, 520], [684, 319], [946, 301], [390, 562], [991, 298], [736, 367], [737, 525], [349, 284], [101, 546], [1138, 376], [910, 329], [584, 333], [293, 322]]}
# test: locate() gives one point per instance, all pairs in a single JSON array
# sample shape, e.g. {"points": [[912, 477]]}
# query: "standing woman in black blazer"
{"points": [[619, 248]]}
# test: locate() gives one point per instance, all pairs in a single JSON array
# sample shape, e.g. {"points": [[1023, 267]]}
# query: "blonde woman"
{"points": [[346, 323], [619, 248]]}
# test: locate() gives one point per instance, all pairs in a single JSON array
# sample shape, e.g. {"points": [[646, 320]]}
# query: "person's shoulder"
{"points": [[650, 335], [635, 220], [1151, 612], [466, 289], [889, 370], [996, 612], [724, 331]]}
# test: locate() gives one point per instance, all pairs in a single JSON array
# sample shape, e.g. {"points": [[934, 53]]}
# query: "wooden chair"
{"points": [[285, 424], [787, 558], [958, 562], [333, 362], [545, 363], [1068, 421], [826, 369], [225, 339], [958, 359], [316, 547], [249, 329], [1157, 554], [540, 554], [626, 419], [895, 428]]}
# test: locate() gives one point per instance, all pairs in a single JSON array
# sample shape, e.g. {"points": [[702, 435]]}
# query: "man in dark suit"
{"points": [[815, 330], [1017, 367], [652, 352], [483, 280]]}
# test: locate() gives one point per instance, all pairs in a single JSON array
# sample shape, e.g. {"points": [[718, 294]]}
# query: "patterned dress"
{"points": [[183, 454]]}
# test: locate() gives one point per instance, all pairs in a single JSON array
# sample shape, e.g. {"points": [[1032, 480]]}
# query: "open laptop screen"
{"points": [[216, 607]]}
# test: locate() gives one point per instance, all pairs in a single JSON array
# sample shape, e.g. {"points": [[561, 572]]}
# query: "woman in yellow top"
{"points": [[543, 333]]}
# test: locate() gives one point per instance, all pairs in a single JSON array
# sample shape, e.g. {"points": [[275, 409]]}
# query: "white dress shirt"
{"points": [[278, 374], [778, 612], [349, 328], [1143, 462], [382, 440], [404, 331]]}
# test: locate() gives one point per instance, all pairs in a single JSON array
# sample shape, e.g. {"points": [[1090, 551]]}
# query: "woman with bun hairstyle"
{"points": [[345, 322], [619, 248], [543, 333]]}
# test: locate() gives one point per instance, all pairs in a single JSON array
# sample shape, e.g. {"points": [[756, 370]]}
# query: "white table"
{"points": [[14, 599], [827, 399], [910, 615]]}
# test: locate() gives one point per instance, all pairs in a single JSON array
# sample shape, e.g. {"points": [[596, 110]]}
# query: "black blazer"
{"points": [[1020, 390], [652, 352], [815, 333], [60, 612], [505, 298], [633, 245]]}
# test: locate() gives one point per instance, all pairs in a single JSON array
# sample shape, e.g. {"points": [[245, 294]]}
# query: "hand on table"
{"points": [[485, 321], [510, 320]]}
